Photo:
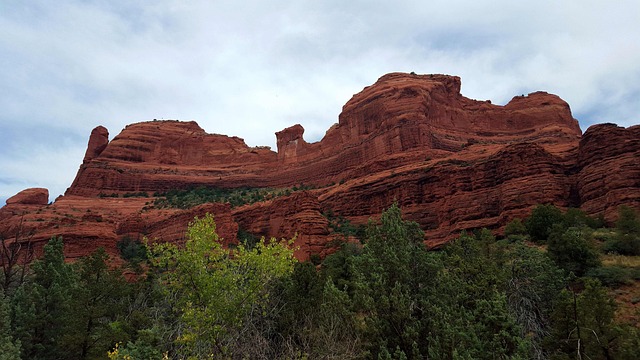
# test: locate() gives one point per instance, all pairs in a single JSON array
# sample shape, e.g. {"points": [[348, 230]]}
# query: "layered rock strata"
{"points": [[452, 163]]}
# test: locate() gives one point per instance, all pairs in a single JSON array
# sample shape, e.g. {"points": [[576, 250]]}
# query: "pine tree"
{"points": [[42, 306], [9, 347]]}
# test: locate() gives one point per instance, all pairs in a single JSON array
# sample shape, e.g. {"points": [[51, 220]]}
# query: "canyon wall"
{"points": [[452, 163]]}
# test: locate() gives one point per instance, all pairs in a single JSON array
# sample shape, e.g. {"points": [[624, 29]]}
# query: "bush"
{"points": [[131, 250], [515, 228], [628, 221], [572, 249], [626, 238], [623, 245], [578, 218], [248, 239], [315, 259], [542, 219], [626, 241], [612, 276]]}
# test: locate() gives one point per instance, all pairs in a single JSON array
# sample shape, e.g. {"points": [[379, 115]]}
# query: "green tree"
{"points": [[533, 283], [515, 229], [391, 274], [627, 238], [42, 306], [577, 218], [573, 249], [541, 220], [216, 290], [584, 326], [471, 314], [9, 347], [98, 302], [339, 266]]}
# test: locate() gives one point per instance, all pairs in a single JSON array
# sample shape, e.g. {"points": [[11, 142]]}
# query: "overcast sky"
{"points": [[251, 68]]}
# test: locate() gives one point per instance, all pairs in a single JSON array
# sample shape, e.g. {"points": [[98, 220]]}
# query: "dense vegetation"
{"points": [[537, 293], [188, 198]]}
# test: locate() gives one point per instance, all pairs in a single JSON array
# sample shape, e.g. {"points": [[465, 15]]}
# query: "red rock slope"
{"points": [[451, 162]]}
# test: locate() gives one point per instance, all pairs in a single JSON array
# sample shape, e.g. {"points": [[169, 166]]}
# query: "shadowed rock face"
{"points": [[452, 163]]}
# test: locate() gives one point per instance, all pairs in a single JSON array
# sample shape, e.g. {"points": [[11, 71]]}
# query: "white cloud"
{"points": [[250, 69]]}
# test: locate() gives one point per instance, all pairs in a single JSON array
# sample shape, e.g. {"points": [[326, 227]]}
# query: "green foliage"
{"points": [[573, 249], [216, 290], [137, 351], [471, 310], [42, 307], [98, 301], [627, 238], [315, 259], [577, 218], [614, 276], [391, 298], [132, 250], [9, 347], [390, 276], [67, 311], [184, 199], [515, 228], [541, 220], [135, 194], [533, 282], [339, 266], [248, 239], [341, 225], [583, 325], [628, 221], [419, 304]]}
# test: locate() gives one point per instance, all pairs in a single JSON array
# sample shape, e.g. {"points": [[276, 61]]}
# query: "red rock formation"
{"points": [[296, 216], [401, 117], [33, 196], [87, 223], [163, 155], [98, 141], [452, 163], [609, 169]]}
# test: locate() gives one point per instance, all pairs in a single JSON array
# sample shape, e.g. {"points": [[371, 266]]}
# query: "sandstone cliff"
{"points": [[452, 163]]}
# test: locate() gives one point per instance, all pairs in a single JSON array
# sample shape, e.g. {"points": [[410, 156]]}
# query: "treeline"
{"points": [[537, 293]]}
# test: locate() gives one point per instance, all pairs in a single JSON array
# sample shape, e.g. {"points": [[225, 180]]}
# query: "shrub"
{"points": [[626, 240], [542, 219], [612, 276], [577, 218], [572, 249], [315, 259], [515, 227], [131, 250]]}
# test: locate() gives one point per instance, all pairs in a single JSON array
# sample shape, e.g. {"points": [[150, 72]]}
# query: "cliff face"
{"points": [[452, 163], [609, 169], [401, 117]]}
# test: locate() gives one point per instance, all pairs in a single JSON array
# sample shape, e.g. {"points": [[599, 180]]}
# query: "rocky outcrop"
{"points": [[98, 141], [401, 119], [87, 223], [163, 155], [297, 217], [609, 169], [33, 196], [452, 163]]}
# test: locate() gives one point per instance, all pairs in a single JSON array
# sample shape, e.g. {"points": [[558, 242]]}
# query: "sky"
{"points": [[251, 68]]}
